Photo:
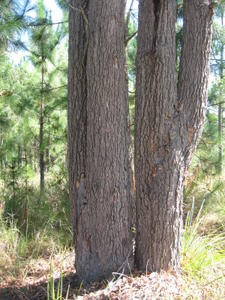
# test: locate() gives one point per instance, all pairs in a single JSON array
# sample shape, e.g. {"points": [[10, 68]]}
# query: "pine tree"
{"points": [[168, 119], [13, 21], [99, 165], [218, 65], [43, 41]]}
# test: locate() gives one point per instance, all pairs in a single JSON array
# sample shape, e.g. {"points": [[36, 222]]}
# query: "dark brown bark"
{"points": [[168, 123], [47, 150], [19, 159], [194, 72], [77, 101], [47, 160], [13, 182], [26, 200], [41, 134], [99, 170]]}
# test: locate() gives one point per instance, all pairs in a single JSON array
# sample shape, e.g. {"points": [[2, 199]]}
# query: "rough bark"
{"points": [[168, 123], [77, 102], [99, 168], [194, 72]]}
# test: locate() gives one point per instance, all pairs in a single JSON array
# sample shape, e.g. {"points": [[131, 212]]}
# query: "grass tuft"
{"points": [[203, 259]]}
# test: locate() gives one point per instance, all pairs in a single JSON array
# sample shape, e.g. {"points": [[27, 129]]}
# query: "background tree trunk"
{"points": [[98, 140], [220, 111], [164, 139], [41, 134]]}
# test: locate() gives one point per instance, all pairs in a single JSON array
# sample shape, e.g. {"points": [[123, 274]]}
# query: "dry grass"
{"points": [[25, 262]]}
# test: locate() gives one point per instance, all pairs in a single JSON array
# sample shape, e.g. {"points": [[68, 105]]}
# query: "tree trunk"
{"points": [[25, 208], [41, 135], [168, 123], [47, 150], [220, 131], [99, 170], [194, 72], [20, 153], [220, 112], [13, 169], [77, 101]]}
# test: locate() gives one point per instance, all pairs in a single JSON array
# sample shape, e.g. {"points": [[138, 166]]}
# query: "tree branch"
{"points": [[218, 103], [129, 13], [130, 38], [46, 24]]}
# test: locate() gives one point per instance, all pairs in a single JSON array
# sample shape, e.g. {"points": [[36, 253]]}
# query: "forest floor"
{"points": [[33, 268], [33, 284]]}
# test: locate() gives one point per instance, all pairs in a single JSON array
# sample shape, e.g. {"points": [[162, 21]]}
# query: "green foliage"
{"points": [[23, 208], [131, 52], [32, 228], [200, 252], [131, 68], [203, 256], [20, 92], [13, 21], [18, 252]]}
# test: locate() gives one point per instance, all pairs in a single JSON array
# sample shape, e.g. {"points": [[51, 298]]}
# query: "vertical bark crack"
{"points": [[157, 5]]}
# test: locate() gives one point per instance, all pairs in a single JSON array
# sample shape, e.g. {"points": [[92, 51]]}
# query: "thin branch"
{"points": [[218, 103], [46, 24], [80, 10], [24, 11], [55, 88], [129, 13], [85, 19], [130, 92], [130, 38]]}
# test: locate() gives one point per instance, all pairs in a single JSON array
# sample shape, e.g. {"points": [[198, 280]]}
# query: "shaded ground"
{"points": [[31, 292], [166, 285], [152, 286], [32, 281]]}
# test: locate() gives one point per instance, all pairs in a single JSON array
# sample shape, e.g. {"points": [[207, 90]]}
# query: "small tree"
{"points": [[43, 41], [218, 65]]}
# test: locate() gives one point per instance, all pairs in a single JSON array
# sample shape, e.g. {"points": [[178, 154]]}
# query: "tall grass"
{"points": [[203, 259], [19, 251]]}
